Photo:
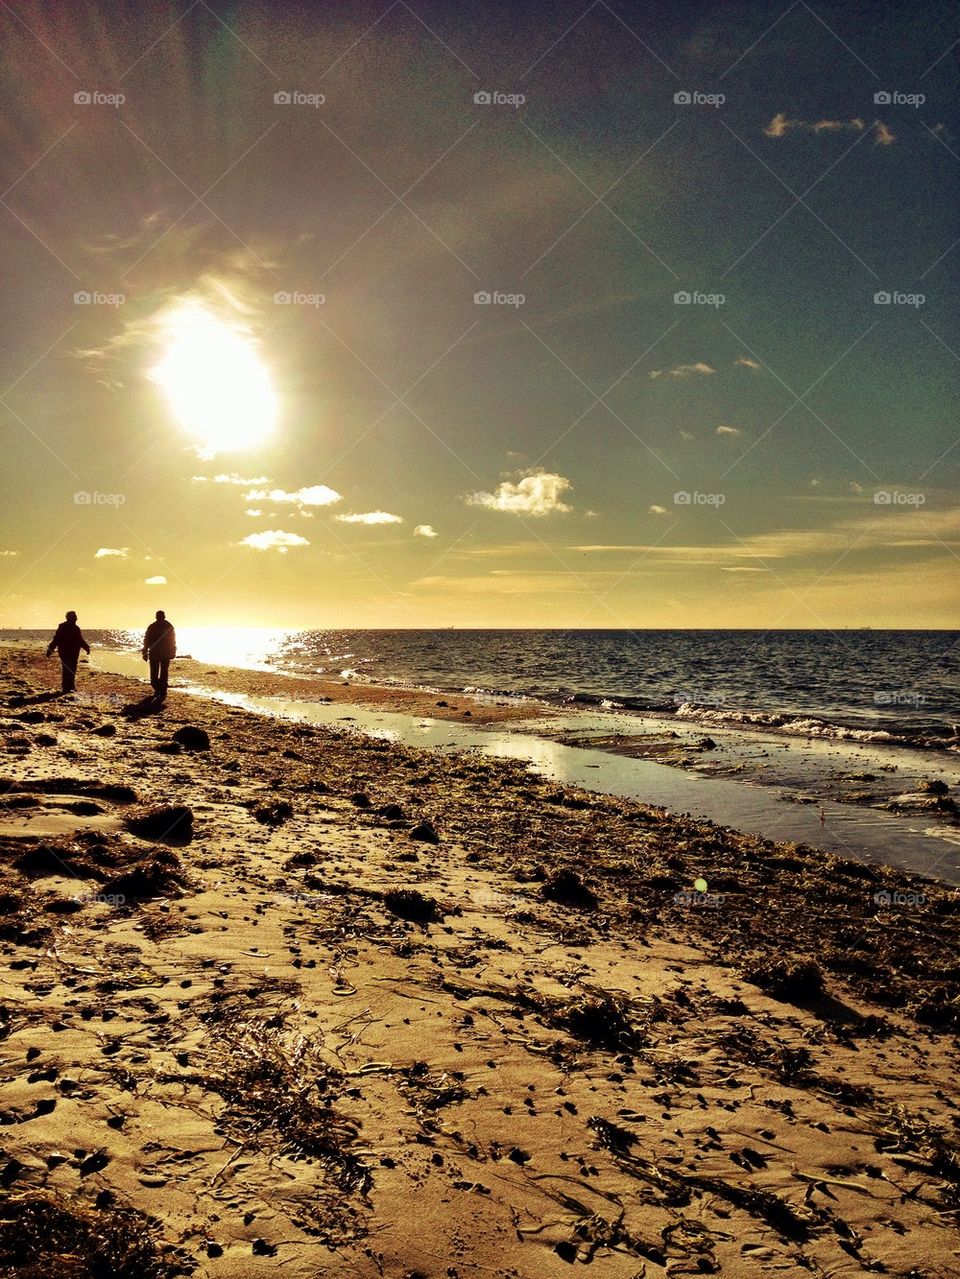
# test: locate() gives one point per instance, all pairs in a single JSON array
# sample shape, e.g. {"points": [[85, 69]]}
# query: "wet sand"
{"points": [[290, 1000]]}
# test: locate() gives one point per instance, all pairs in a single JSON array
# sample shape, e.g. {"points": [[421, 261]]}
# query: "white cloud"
{"points": [[106, 552], [746, 363], [252, 510], [233, 478], [657, 510], [424, 530], [370, 517], [684, 370], [8, 555], [728, 430], [273, 540], [315, 495], [537, 494], [154, 581]]}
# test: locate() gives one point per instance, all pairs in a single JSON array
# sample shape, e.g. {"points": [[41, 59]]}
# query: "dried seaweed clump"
{"points": [[792, 980], [601, 1020], [284, 1091], [43, 1236]]}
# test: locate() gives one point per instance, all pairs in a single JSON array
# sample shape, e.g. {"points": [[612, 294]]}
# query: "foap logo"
{"points": [[685, 498], [104, 899], [694, 98], [83, 298], [297, 98], [94, 98], [684, 297], [893, 497], [698, 896], [496, 298], [494, 98], [299, 299], [891, 297], [898, 697], [894, 98], [84, 498], [896, 898], [699, 697]]}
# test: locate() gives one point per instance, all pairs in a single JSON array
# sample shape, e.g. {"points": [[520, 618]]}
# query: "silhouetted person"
{"points": [[68, 641], [159, 646]]}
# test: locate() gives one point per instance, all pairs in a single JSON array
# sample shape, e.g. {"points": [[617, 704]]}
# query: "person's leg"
{"points": [[68, 672], [164, 676], [155, 673]]}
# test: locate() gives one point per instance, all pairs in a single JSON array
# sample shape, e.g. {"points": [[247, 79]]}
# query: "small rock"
{"points": [[192, 738], [274, 814], [410, 904], [426, 833], [173, 825], [360, 800], [105, 730], [392, 812]]}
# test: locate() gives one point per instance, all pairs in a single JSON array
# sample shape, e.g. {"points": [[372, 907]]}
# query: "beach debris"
{"points": [[600, 1019], [790, 980], [105, 730], [359, 799], [409, 903], [569, 888], [425, 832], [166, 825], [158, 876], [48, 1236], [274, 814], [933, 786], [393, 813], [192, 738]]}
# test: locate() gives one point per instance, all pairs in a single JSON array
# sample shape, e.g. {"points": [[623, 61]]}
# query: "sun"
{"points": [[216, 384]]}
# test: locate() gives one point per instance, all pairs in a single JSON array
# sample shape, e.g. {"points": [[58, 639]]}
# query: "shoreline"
{"points": [[366, 976]]}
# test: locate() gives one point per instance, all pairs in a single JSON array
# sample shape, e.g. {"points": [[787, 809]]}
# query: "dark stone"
{"points": [[426, 833], [105, 730], [192, 738], [173, 825], [410, 904]]}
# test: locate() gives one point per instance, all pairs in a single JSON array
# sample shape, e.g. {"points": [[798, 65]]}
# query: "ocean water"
{"points": [[865, 685]]}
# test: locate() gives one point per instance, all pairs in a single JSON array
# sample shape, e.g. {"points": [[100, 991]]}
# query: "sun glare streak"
{"points": [[214, 380]]}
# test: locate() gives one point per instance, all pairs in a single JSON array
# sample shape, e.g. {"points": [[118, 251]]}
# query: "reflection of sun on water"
{"points": [[215, 381], [249, 647]]}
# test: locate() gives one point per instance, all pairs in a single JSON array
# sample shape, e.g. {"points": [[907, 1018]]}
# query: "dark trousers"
{"points": [[68, 671], [159, 673]]}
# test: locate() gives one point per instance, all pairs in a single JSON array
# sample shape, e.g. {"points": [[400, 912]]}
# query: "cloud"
{"points": [[252, 510], [233, 478], [8, 555], [781, 125], [273, 540], [154, 581], [684, 370], [746, 363], [728, 430], [657, 510], [315, 495], [425, 530], [117, 552], [370, 517], [539, 493]]}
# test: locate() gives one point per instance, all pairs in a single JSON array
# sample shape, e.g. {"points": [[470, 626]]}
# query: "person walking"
{"points": [[68, 641], [159, 648]]}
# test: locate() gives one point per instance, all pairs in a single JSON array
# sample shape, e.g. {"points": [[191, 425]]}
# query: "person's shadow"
{"points": [[152, 704]]}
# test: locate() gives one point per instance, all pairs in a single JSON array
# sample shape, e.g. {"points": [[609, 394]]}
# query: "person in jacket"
{"points": [[159, 647], [68, 641]]}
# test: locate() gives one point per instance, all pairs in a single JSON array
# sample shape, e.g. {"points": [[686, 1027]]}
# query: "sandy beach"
{"points": [[282, 999]]}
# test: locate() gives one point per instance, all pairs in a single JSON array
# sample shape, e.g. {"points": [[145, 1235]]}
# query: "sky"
{"points": [[571, 314]]}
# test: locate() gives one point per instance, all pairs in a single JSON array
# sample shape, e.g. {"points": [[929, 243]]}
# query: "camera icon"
{"points": [[283, 98], [82, 498], [882, 497], [882, 98], [682, 298], [682, 98], [83, 98], [683, 498], [282, 299], [882, 898], [82, 298], [483, 298], [482, 98], [882, 298]]}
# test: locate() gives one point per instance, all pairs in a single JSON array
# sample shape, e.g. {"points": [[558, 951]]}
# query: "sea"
{"points": [[870, 686]]}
